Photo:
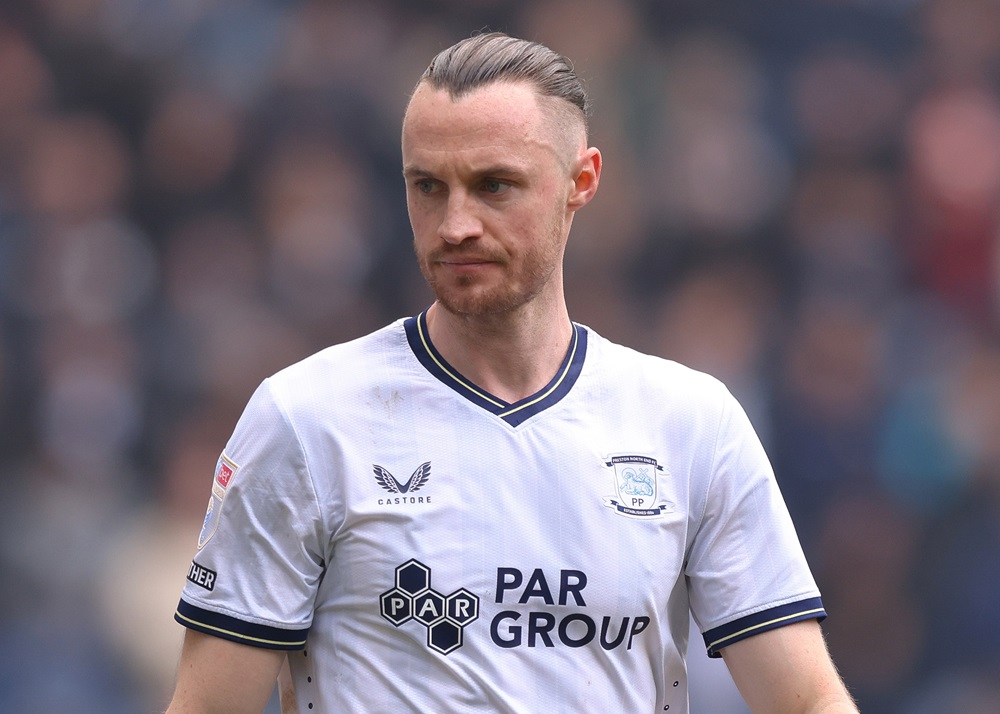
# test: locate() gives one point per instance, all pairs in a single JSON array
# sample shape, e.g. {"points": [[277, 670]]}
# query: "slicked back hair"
{"points": [[496, 57]]}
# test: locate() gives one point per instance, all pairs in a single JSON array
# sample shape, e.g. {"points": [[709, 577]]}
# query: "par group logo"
{"points": [[413, 599]]}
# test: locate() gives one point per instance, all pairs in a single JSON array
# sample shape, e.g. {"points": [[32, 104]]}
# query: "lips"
{"points": [[465, 261], [459, 260]]}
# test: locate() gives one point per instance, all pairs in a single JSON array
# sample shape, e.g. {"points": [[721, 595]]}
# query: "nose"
{"points": [[460, 221]]}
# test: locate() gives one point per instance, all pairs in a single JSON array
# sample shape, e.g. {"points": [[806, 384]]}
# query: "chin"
{"points": [[472, 304]]}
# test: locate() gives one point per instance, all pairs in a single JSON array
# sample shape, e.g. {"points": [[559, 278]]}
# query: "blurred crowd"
{"points": [[801, 198]]}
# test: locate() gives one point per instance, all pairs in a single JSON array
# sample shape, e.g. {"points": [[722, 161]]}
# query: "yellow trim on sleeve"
{"points": [[259, 640]]}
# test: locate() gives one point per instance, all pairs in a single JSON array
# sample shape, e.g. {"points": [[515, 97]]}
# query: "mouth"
{"points": [[464, 262]]}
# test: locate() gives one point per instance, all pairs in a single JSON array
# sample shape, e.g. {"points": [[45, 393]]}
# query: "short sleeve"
{"points": [[260, 553], [746, 570]]}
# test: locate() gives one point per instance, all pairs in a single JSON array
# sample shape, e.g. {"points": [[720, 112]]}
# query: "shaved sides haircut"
{"points": [[495, 57]]}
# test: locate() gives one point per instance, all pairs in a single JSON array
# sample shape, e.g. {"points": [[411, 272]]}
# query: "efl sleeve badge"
{"points": [[225, 472]]}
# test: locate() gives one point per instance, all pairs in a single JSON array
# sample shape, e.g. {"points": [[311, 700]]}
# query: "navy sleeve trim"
{"points": [[230, 628], [725, 635]]}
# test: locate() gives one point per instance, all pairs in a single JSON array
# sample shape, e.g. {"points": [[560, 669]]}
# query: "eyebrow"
{"points": [[414, 172]]}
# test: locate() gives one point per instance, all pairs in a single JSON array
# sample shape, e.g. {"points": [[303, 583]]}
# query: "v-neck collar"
{"points": [[514, 414]]}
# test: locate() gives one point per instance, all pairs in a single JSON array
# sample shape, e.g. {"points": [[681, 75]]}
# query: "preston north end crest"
{"points": [[636, 480]]}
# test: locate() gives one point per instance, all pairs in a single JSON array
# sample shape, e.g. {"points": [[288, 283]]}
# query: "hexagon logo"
{"points": [[413, 577], [444, 637], [413, 599], [428, 607], [396, 606], [462, 607]]}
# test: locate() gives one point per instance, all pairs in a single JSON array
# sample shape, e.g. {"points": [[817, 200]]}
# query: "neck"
{"points": [[511, 356]]}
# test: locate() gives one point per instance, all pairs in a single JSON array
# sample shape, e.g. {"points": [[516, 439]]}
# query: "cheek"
{"points": [[421, 218], [545, 225], [412, 206], [532, 218]]}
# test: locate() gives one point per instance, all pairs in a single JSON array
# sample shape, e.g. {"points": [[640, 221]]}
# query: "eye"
{"points": [[494, 186], [424, 185]]}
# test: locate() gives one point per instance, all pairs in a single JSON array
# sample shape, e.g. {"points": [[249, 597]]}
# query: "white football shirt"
{"points": [[419, 545]]}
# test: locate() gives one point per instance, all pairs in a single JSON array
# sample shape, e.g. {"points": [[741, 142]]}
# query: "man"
{"points": [[488, 507]]}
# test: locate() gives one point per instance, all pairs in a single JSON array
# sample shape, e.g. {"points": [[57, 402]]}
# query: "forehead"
{"points": [[501, 116]]}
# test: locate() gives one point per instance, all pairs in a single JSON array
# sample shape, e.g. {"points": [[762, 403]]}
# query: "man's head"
{"points": [[496, 164]]}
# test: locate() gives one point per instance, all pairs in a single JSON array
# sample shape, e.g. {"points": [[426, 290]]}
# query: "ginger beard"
{"points": [[510, 282]]}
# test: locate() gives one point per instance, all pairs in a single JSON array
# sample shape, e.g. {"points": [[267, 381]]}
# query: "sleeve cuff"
{"points": [[231, 628], [773, 618]]}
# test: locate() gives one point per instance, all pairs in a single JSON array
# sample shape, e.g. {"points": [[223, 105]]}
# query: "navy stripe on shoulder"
{"points": [[773, 618], [231, 628], [558, 388], [424, 350]]}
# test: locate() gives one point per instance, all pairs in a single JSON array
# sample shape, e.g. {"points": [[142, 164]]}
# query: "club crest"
{"points": [[636, 480]]}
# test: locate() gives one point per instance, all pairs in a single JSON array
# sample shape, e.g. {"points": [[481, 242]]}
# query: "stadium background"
{"points": [[799, 197]]}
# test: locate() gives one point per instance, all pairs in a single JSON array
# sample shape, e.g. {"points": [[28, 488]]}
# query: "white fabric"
{"points": [[523, 518]]}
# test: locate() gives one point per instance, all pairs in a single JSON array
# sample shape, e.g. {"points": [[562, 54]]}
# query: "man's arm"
{"points": [[788, 671], [219, 676]]}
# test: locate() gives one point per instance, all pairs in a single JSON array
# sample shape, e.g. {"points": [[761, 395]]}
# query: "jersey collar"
{"points": [[514, 414]]}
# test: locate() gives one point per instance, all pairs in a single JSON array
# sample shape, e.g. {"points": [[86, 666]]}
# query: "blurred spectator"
{"points": [[960, 565], [828, 402], [720, 320], [954, 150], [866, 560]]}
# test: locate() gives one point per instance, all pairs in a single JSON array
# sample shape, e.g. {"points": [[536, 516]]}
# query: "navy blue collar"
{"points": [[514, 414]]}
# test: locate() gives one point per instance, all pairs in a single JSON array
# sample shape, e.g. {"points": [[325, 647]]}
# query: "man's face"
{"points": [[489, 180]]}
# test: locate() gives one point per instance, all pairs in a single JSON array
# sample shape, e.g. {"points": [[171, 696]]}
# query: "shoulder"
{"points": [[354, 358], [657, 377], [336, 373]]}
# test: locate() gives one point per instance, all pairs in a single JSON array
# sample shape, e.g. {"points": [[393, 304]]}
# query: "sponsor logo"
{"points": [[224, 473], [417, 479], [547, 627], [558, 616], [402, 490], [444, 616], [200, 575], [636, 480]]}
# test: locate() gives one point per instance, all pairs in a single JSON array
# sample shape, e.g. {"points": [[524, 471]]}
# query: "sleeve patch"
{"points": [[202, 576], [225, 472], [773, 618]]}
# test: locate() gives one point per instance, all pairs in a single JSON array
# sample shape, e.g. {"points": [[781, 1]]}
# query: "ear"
{"points": [[587, 176]]}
